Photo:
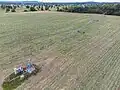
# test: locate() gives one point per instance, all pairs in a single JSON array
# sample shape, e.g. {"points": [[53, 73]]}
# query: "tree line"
{"points": [[27, 8], [107, 9], [9, 8]]}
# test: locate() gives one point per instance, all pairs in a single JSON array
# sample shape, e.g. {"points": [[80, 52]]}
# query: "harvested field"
{"points": [[75, 51]]}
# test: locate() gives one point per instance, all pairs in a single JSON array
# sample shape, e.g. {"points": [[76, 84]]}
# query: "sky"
{"points": [[67, 0], [84, 0], [81, 0]]}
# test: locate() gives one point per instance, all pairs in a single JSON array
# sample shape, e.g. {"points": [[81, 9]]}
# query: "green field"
{"points": [[76, 51]]}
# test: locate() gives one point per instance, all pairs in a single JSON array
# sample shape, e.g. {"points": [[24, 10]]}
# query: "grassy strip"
{"points": [[13, 81], [13, 84]]}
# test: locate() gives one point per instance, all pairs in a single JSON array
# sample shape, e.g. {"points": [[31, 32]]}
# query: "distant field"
{"points": [[76, 51]]}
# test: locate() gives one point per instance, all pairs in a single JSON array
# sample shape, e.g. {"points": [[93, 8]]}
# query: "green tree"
{"points": [[46, 7], [14, 7], [13, 10], [27, 7], [58, 9], [32, 9], [3, 6], [7, 10], [42, 9], [107, 9], [38, 8]]}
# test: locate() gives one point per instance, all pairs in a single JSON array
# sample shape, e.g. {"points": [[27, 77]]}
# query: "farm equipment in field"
{"points": [[19, 75]]}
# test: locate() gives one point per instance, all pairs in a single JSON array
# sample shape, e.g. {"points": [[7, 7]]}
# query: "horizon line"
{"points": [[58, 2]]}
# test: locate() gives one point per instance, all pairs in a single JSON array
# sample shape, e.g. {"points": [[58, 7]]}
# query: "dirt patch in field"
{"points": [[52, 64]]}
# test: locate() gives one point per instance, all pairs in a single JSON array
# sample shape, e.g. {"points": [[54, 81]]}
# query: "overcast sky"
{"points": [[67, 0]]}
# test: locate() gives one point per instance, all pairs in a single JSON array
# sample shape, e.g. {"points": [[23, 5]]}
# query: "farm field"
{"points": [[75, 51]]}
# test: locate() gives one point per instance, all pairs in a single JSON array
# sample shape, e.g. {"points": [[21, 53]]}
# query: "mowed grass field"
{"points": [[70, 59]]}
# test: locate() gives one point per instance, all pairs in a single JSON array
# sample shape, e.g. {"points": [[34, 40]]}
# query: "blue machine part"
{"points": [[29, 65], [20, 69], [29, 70]]}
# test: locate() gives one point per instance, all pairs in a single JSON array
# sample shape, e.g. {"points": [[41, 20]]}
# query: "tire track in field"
{"points": [[100, 38], [113, 75], [49, 75], [100, 69], [64, 67], [93, 38], [117, 83]]}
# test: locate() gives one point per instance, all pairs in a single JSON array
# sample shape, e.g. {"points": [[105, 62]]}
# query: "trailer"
{"points": [[19, 75]]}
